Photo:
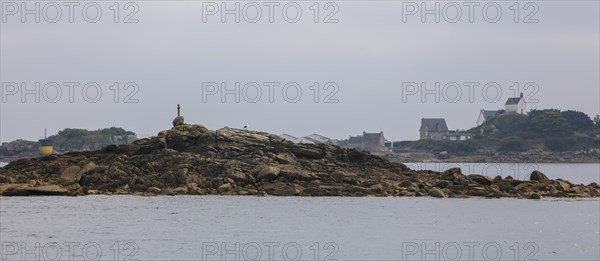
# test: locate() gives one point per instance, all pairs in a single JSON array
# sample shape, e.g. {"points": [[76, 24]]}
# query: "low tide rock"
{"points": [[537, 176]]}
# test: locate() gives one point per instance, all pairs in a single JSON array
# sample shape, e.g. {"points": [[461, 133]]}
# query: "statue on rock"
{"points": [[178, 121]]}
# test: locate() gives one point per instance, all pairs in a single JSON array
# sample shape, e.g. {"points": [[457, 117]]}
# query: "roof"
{"points": [[434, 124], [488, 114], [290, 138], [513, 101], [316, 138], [372, 135]]}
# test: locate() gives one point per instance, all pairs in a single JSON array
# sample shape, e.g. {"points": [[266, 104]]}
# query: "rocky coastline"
{"points": [[192, 160]]}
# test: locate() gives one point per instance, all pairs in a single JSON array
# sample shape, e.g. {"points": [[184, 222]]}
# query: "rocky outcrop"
{"points": [[192, 160]]}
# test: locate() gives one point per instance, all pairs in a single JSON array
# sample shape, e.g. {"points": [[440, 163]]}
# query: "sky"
{"points": [[336, 68]]}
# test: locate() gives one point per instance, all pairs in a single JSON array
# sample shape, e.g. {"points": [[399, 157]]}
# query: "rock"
{"points": [[505, 186], [437, 193], [167, 191], [286, 158], [308, 151], [534, 196], [267, 173], [442, 184], [291, 190], [154, 190], [6, 179], [89, 166], [190, 159], [73, 187], [483, 180], [521, 186], [178, 121], [443, 155], [497, 179], [343, 176], [461, 181], [71, 175], [451, 173], [575, 190], [47, 190], [406, 184], [563, 185], [377, 188], [537, 176], [357, 190], [12, 186], [239, 177], [181, 190], [295, 174], [224, 187], [456, 188]]}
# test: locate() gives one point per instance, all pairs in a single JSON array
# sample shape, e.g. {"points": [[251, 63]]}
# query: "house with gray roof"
{"points": [[373, 142], [433, 129], [437, 129], [516, 105], [485, 116]]}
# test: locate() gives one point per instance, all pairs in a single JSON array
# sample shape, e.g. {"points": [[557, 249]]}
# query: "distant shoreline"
{"points": [[507, 157]]}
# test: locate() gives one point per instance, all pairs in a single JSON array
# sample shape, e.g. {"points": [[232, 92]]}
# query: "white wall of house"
{"points": [[520, 107], [480, 119]]}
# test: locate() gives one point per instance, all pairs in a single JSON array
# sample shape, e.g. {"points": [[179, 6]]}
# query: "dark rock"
{"points": [[47, 190], [451, 174], [343, 176], [537, 176], [505, 186], [406, 184], [442, 184], [483, 180], [497, 179], [297, 174]]}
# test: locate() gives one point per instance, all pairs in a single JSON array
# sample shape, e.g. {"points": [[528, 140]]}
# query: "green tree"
{"points": [[551, 123], [73, 133], [578, 120], [511, 143], [511, 123], [534, 113]]}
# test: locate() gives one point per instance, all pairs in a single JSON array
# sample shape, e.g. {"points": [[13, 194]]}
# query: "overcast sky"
{"points": [[365, 56]]}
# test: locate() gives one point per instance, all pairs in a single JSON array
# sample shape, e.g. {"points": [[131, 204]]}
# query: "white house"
{"points": [[516, 105], [485, 116], [457, 135]]}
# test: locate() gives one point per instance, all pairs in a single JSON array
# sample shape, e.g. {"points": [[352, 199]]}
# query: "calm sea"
{"points": [[297, 228]]}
